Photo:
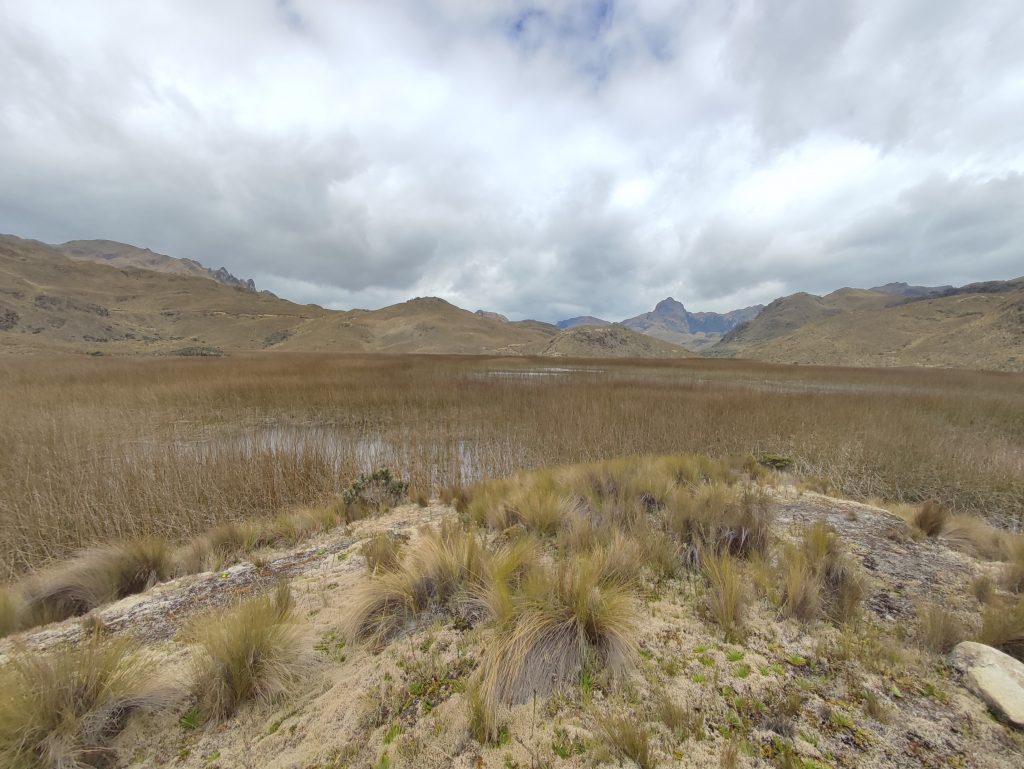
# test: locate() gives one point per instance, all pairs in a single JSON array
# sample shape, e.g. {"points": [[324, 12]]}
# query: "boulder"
{"points": [[994, 676]]}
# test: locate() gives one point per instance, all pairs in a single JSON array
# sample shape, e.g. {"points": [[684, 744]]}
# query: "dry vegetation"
{"points": [[645, 610], [98, 450]]}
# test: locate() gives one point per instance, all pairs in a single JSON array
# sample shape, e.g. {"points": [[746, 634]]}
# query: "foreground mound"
{"points": [[652, 612]]}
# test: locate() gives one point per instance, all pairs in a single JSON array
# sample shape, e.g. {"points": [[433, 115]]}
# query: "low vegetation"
{"points": [[621, 611], [250, 652], [59, 709], [97, 450]]}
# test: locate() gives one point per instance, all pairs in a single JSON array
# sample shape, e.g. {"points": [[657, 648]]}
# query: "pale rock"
{"points": [[994, 676]]}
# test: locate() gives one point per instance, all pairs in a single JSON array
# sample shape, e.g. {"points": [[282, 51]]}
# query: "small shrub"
{"points": [[60, 708], [726, 595], [776, 461], [375, 492], [252, 651], [938, 629], [931, 519], [629, 738]]}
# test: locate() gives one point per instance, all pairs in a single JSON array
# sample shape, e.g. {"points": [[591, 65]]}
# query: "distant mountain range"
{"points": [[671, 322], [112, 298]]}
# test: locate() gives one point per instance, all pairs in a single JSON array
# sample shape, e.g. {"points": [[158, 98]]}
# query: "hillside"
{"points": [[502, 636], [581, 320], [970, 327], [123, 255], [612, 341], [671, 322], [51, 302]]}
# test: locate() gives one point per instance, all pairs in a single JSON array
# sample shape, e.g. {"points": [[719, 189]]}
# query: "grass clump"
{"points": [[931, 519], [60, 708], [568, 617], [12, 611], [1002, 626], [96, 577], [446, 568], [938, 629], [726, 596], [381, 552], [252, 651], [820, 579], [683, 723], [629, 738]]}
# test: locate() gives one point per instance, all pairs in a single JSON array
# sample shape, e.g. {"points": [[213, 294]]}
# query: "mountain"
{"points": [[49, 301], [671, 322], [976, 326], [581, 320], [611, 341], [904, 289], [123, 255]]}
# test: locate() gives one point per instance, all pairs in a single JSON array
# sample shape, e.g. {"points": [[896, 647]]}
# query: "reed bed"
{"points": [[94, 450]]}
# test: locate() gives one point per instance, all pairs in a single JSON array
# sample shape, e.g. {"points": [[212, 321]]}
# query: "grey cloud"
{"points": [[594, 159]]}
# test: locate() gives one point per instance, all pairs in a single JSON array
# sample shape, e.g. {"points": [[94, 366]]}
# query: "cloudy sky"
{"points": [[538, 159]]}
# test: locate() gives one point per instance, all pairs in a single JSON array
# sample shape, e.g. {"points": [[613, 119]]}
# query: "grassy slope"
{"points": [[866, 328], [87, 306], [612, 341]]}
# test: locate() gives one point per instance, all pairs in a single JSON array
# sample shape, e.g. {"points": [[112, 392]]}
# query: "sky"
{"points": [[540, 160]]}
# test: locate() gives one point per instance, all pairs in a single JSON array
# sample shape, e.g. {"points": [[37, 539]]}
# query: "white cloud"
{"points": [[537, 160]]}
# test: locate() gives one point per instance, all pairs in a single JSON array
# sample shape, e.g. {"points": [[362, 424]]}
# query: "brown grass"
{"points": [[931, 519], [253, 651], [1002, 626], [629, 738], [820, 579], [97, 450], [726, 596], [59, 709], [938, 629]]}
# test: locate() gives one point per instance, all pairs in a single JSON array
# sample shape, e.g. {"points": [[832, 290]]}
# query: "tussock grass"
{"points": [[96, 577], [381, 552], [976, 536], [938, 629], [566, 617], [629, 738], [931, 519], [444, 570], [249, 652], [12, 611], [819, 578], [984, 589], [684, 723], [726, 595], [801, 588], [1013, 578], [1002, 626], [59, 709]]}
